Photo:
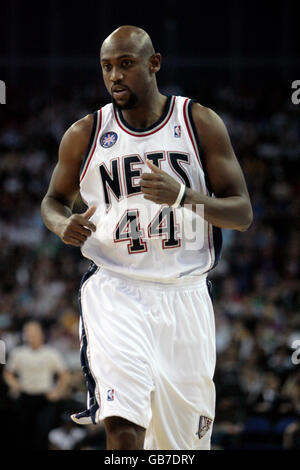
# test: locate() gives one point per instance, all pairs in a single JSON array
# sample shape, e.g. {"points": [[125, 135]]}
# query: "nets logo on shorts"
{"points": [[110, 394], [108, 139], [204, 425]]}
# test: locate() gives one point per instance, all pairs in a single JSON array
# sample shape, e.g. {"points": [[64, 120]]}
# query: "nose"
{"points": [[116, 74]]}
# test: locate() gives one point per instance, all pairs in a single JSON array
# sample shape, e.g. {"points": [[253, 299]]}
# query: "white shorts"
{"points": [[148, 353]]}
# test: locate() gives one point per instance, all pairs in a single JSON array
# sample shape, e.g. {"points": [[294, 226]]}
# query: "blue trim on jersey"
{"points": [[210, 289], [218, 241], [217, 231], [90, 381], [94, 128], [146, 129]]}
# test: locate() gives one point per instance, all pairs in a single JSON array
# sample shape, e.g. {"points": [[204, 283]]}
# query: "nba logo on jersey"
{"points": [[110, 394], [177, 131]]}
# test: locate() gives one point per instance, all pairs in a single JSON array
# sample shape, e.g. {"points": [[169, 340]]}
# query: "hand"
{"points": [[14, 391], [77, 228], [159, 186], [53, 395]]}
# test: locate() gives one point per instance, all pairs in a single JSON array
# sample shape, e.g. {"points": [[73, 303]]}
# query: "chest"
{"points": [[34, 362]]}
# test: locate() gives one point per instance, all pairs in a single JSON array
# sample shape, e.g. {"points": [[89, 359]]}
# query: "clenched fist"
{"points": [[159, 186], [77, 228]]}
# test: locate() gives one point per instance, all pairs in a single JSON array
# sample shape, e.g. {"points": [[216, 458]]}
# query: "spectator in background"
{"points": [[67, 435], [70, 436], [30, 373]]}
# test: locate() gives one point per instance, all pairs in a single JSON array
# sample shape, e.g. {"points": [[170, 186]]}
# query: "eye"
{"points": [[106, 67], [126, 63]]}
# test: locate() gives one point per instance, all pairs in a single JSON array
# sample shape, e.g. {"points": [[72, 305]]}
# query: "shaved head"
{"points": [[129, 65], [131, 38]]}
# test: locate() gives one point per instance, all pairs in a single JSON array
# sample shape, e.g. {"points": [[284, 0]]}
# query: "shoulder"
{"points": [[53, 353], [18, 352], [75, 141], [204, 116], [20, 349], [81, 130], [209, 125]]}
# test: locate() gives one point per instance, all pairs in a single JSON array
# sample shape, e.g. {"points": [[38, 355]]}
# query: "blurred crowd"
{"points": [[256, 284]]}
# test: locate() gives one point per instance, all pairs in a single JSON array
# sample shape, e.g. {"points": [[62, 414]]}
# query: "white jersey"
{"points": [[136, 237]]}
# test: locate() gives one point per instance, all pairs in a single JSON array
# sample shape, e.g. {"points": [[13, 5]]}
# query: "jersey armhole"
{"points": [[196, 143], [216, 231], [92, 144]]}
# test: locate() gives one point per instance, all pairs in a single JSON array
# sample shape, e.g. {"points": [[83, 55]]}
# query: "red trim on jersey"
{"points": [[95, 144], [143, 134]]}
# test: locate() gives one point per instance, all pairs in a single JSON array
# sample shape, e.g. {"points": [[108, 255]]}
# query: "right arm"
{"points": [[10, 373], [56, 207], [12, 381]]}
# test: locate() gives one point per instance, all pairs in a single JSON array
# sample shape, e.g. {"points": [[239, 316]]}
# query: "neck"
{"points": [[35, 345], [148, 111]]}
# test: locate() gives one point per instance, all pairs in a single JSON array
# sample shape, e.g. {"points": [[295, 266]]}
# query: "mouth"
{"points": [[120, 92]]}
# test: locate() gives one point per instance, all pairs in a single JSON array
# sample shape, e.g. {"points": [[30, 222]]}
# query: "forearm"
{"points": [[54, 213], [73, 229], [61, 383], [232, 212], [11, 380]]}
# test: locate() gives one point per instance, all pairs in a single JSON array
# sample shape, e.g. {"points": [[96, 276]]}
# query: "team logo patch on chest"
{"points": [[108, 139]]}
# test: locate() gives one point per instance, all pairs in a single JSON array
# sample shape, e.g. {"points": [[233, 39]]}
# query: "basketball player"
{"points": [[147, 323]]}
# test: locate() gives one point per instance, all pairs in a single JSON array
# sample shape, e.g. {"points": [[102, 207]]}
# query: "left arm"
{"points": [[60, 387], [231, 208]]}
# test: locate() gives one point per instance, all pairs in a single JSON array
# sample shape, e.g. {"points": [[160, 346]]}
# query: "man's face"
{"points": [[126, 75], [33, 334]]}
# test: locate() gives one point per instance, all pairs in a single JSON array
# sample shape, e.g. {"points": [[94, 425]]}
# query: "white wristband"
{"points": [[179, 197]]}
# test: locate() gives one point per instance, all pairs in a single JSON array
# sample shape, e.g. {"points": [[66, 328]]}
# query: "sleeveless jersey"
{"points": [[136, 237]]}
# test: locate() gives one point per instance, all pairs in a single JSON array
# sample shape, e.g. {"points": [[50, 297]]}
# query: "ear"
{"points": [[155, 63]]}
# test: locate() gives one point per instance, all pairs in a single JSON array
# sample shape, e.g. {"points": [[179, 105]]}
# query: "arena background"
{"points": [[240, 59]]}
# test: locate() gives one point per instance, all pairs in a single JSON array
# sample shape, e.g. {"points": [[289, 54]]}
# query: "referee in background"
{"points": [[29, 374]]}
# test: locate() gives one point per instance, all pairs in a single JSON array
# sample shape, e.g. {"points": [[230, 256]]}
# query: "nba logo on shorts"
{"points": [[177, 131], [110, 394]]}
